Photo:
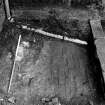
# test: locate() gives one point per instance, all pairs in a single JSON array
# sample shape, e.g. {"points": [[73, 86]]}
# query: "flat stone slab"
{"points": [[97, 29], [100, 46], [99, 35]]}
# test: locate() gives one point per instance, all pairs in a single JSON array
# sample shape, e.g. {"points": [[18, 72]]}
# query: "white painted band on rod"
{"points": [[13, 68]]}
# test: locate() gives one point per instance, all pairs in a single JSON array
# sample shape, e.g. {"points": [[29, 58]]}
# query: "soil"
{"points": [[49, 68], [51, 71]]}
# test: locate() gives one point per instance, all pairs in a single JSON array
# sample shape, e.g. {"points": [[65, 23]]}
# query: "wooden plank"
{"points": [[97, 29]]}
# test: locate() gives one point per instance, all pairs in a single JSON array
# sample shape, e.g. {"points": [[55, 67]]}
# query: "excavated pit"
{"points": [[51, 71]]}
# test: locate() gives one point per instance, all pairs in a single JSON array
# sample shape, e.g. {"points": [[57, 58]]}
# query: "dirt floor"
{"points": [[51, 71]]}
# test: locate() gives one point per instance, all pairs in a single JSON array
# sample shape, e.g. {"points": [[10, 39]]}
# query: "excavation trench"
{"points": [[50, 70]]}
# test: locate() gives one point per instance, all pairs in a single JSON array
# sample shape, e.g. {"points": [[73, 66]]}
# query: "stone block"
{"points": [[100, 46], [97, 29]]}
